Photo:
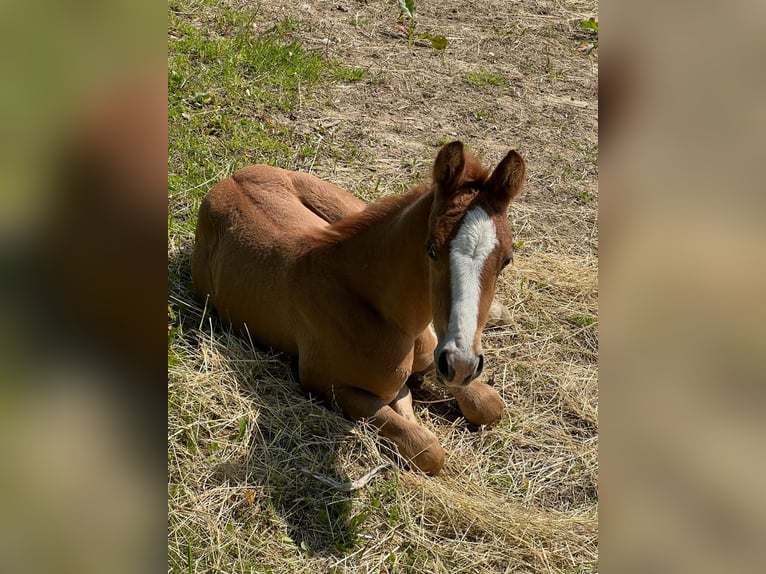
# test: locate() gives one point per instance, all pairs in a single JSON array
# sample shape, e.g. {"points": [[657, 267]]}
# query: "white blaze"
{"points": [[469, 250]]}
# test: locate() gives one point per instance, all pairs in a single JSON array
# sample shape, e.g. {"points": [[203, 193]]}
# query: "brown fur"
{"points": [[302, 266]]}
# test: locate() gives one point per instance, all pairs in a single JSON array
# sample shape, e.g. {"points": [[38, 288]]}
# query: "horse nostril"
{"points": [[442, 364], [480, 366]]}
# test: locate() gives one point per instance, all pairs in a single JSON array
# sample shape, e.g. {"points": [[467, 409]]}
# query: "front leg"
{"points": [[415, 443], [423, 357], [479, 403], [402, 404]]}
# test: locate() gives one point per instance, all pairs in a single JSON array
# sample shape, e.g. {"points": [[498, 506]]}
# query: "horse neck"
{"points": [[386, 265]]}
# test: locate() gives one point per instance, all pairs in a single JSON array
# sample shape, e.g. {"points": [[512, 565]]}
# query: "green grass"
{"points": [[229, 89], [582, 320], [346, 74], [484, 79], [483, 115]]}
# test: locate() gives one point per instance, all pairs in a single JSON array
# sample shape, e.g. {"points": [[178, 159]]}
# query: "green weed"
{"points": [[408, 22], [591, 29], [551, 71]]}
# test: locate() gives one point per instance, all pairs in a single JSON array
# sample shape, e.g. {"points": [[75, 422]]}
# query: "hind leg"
{"points": [[323, 198], [415, 443]]}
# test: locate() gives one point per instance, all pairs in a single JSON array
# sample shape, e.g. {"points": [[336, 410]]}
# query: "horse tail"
{"points": [[206, 240]]}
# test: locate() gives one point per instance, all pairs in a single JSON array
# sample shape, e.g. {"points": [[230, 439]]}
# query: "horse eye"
{"points": [[431, 248]]}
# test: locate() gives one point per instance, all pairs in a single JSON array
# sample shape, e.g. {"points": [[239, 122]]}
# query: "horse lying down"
{"points": [[352, 290]]}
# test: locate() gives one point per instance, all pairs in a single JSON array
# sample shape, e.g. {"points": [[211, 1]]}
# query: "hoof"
{"points": [[422, 449], [479, 403], [431, 460], [499, 315]]}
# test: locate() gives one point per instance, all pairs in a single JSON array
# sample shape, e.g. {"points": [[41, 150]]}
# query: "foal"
{"points": [[304, 267]]}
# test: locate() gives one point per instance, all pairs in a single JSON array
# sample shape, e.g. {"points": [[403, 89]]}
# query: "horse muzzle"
{"points": [[455, 369]]}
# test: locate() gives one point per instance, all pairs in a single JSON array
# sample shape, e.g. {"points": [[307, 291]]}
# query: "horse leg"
{"points": [[402, 404], [423, 357], [479, 403], [499, 315], [415, 443]]}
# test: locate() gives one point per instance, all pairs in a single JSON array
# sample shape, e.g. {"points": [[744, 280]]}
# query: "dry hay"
{"points": [[517, 497]]}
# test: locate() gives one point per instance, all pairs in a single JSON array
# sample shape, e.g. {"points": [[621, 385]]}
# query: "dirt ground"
{"points": [[416, 99], [522, 496]]}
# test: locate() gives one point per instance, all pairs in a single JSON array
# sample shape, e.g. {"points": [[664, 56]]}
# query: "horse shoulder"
{"points": [[344, 342]]}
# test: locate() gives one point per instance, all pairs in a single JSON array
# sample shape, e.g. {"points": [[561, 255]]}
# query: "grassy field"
{"points": [[338, 89]]}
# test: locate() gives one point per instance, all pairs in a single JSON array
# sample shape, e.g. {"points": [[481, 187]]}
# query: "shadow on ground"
{"points": [[286, 429]]}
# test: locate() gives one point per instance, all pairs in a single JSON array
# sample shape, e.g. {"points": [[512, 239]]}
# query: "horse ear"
{"points": [[448, 167], [507, 181]]}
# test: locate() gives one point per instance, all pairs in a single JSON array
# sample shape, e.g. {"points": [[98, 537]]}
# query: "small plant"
{"points": [[591, 29], [551, 71], [584, 197], [407, 22], [483, 115], [484, 79], [582, 320]]}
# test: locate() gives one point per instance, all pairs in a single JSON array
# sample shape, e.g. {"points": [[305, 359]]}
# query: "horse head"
{"points": [[469, 243]]}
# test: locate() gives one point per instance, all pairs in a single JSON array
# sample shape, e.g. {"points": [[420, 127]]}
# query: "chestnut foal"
{"points": [[304, 267]]}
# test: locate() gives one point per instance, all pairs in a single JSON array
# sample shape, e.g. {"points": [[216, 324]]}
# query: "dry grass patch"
{"points": [[518, 497]]}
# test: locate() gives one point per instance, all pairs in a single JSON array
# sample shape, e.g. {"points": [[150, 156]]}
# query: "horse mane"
{"points": [[374, 212], [474, 175]]}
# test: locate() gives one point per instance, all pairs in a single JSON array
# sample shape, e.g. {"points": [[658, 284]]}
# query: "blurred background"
{"points": [[83, 286], [682, 283], [83, 140]]}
